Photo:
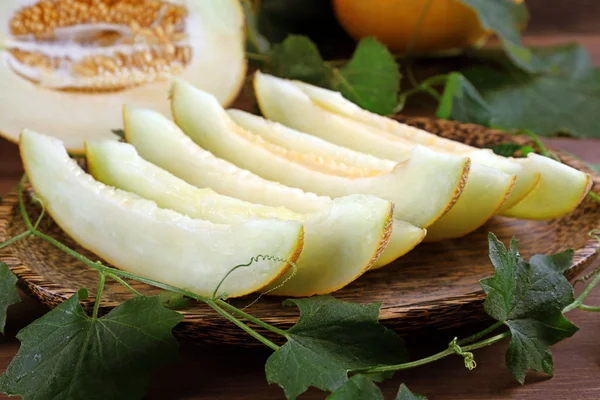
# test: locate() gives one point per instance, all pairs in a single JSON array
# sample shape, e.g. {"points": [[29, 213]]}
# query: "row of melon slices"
{"points": [[165, 206]]}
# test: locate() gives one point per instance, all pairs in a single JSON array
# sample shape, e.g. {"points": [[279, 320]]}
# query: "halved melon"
{"points": [[159, 141], [340, 121], [137, 236], [341, 241], [422, 189], [484, 193], [75, 62]]}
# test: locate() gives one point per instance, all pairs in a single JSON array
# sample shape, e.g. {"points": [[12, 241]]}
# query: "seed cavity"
{"points": [[98, 45]]}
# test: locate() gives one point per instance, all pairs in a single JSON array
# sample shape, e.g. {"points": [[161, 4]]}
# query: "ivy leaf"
{"points": [[461, 101], [510, 149], [8, 292], [529, 299], [297, 57], [563, 98], [504, 17], [405, 394], [172, 300], [371, 79], [330, 338], [357, 388], [69, 355]]}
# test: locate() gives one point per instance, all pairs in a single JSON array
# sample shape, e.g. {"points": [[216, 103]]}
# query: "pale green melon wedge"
{"points": [[559, 192], [484, 193], [329, 115], [341, 241], [422, 189], [159, 141], [136, 235]]}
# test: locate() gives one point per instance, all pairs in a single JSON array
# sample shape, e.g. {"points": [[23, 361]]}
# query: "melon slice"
{"points": [[159, 141], [340, 121], [341, 241], [559, 192], [137, 236], [549, 173], [87, 58], [484, 193], [422, 189]]}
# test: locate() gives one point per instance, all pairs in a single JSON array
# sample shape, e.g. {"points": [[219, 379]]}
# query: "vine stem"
{"points": [[481, 334], [125, 284], [585, 307], [251, 318], [13, 239], [101, 280], [579, 300], [243, 326], [435, 357]]}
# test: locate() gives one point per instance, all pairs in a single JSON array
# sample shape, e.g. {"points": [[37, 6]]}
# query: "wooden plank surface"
{"points": [[231, 373]]}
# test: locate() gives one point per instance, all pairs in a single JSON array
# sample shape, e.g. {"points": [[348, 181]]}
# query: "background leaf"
{"points": [[529, 299], [359, 387], [255, 41], [405, 394], [371, 79], [562, 99], [8, 292], [68, 355], [297, 57], [462, 102], [330, 338], [504, 17]]}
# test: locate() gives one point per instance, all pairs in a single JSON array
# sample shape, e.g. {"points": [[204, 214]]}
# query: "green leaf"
{"points": [[68, 355], [461, 101], [529, 299], [405, 394], [8, 292], [119, 132], [330, 338], [503, 17], [255, 41], [172, 300], [562, 99], [371, 79], [509, 149], [595, 167], [297, 57], [506, 149], [358, 387]]}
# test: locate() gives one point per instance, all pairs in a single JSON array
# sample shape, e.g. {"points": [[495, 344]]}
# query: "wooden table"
{"points": [[231, 373]]}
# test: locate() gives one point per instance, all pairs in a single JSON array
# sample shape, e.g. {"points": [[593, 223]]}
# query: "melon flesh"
{"points": [[422, 189], [341, 241], [529, 171], [77, 76], [137, 236], [559, 192], [484, 193], [340, 121], [159, 141]]}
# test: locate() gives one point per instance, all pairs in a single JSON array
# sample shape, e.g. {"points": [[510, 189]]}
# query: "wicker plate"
{"points": [[436, 285]]}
